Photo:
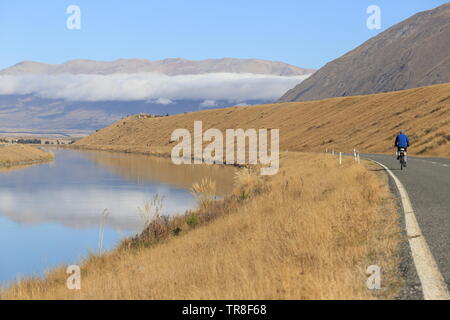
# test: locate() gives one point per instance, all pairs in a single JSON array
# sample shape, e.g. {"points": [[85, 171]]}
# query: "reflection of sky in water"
{"points": [[51, 213]]}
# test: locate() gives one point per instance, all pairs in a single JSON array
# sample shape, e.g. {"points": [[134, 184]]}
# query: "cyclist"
{"points": [[401, 141]]}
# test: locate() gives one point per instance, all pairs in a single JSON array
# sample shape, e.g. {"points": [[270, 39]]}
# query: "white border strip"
{"points": [[433, 283]]}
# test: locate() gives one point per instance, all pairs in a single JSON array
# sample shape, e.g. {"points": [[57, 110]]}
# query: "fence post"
{"points": [[340, 157]]}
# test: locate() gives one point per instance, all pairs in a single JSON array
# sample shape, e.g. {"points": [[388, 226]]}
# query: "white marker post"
{"points": [[340, 158]]}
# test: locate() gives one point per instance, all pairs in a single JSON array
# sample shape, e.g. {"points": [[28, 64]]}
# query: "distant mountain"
{"points": [[80, 96], [30, 114], [171, 67], [413, 53]]}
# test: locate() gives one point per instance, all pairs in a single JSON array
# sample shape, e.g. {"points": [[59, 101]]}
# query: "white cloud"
{"points": [[208, 104], [163, 101], [150, 86]]}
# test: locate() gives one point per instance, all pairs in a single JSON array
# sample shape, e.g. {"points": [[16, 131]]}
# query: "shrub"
{"points": [[192, 220]]}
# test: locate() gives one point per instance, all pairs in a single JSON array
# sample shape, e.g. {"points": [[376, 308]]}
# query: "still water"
{"points": [[51, 214]]}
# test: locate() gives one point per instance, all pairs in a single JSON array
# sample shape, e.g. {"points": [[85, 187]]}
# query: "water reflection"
{"points": [[143, 168], [51, 213]]}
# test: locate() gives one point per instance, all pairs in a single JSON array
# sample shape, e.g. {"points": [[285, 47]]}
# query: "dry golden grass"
{"points": [[369, 123], [309, 232], [204, 192], [18, 155]]}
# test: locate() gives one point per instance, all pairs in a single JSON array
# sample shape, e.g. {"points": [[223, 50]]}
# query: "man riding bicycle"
{"points": [[401, 142]]}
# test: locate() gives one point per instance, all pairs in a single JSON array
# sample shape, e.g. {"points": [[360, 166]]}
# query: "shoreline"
{"points": [[24, 163], [160, 152], [23, 155]]}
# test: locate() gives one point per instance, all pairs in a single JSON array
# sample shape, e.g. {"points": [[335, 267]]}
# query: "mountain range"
{"points": [[172, 67], [413, 53], [81, 96]]}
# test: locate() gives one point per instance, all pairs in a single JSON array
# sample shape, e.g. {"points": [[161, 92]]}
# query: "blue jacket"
{"points": [[402, 141]]}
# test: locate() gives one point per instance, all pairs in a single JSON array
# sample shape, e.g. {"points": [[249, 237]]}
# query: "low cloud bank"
{"points": [[150, 86]]}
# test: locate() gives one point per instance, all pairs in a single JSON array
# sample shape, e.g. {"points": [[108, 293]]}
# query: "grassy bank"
{"points": [[19, 155], [309, 232]]}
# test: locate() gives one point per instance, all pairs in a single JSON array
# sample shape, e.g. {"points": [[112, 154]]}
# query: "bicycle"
{"points": [[402, 158]]}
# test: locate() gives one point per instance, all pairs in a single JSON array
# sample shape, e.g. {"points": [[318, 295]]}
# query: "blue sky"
{"points": [[303, 33]]}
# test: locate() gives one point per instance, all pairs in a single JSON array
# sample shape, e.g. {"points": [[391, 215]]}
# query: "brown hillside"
{"points": [[411, 54], [369, 123]]}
